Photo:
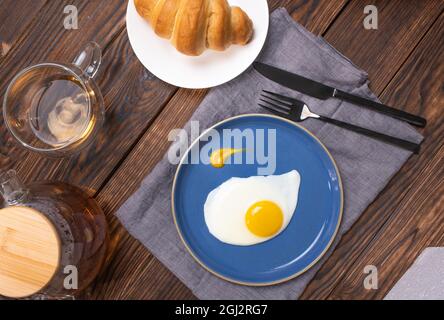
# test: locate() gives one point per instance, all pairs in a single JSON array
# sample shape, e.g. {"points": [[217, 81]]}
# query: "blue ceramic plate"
{"points": [[310, 231]]}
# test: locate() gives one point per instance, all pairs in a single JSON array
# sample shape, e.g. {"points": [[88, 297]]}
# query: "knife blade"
{"points": [[296, 82], [321, 91]]}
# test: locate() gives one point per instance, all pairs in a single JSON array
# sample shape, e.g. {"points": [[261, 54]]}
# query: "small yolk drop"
{"points": [[264, 218], [219, 156]]}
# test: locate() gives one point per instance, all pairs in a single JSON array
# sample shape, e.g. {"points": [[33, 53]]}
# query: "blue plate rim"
{"points": [[269, 283]]}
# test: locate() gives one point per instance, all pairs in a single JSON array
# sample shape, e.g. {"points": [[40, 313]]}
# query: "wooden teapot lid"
{"points": [[29, 251]]}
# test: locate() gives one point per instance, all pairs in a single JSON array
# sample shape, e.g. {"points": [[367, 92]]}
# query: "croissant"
{"points": [[195, 25]]}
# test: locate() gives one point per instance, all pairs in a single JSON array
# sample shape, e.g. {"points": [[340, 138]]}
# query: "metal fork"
{"points": [[298, 111]]}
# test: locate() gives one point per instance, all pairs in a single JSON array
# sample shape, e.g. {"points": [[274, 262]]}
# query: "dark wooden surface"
{"points": [[405, 62]]}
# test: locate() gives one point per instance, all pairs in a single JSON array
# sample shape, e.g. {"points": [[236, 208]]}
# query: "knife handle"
{"points": [[379, 107], [411, 146]]}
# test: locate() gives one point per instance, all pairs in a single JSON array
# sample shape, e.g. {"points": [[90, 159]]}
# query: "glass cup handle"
{"points": [[89, 59]]}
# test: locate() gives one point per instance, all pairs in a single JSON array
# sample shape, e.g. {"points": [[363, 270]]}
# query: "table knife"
{"points": [[321, 91]]}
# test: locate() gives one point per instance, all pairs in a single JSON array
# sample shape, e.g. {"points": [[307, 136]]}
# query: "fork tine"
{"points": [[282, 103], [272, 110], [275, 106], [288, 99]]}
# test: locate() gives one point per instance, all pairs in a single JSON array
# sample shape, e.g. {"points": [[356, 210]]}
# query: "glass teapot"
{"points": [[53, 239]]}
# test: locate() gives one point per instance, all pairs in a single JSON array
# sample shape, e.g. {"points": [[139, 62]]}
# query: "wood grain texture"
{"points": [[404, 61], [132, 96], [332, 272], [381, 52], [128, 252], [46, 39], [30, 251], [15, 17], [407, 217], [316, 16]]}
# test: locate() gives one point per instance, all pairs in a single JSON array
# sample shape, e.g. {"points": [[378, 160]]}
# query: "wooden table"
{"points": [[405, 62]]}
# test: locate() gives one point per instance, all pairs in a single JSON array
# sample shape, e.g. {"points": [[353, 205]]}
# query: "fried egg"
{"points": [[247, 211]]}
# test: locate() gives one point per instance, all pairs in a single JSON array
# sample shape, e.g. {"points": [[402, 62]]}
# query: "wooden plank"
{"points": [[381, 52], [316, 16], [132, 95], [408, 217], [361, 56], [128, 252], [416, 222], [332, 272], [48, 40], [152, 279], [16, 16]]}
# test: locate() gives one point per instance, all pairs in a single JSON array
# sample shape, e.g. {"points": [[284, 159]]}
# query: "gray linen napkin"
{"points": [[365, 165], [423, 280]]}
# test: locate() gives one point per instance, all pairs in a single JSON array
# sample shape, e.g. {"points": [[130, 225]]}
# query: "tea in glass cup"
{"points": [[56, 109]]}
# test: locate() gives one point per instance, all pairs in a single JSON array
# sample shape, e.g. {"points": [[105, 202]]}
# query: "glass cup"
{"points": [[56, 109]]}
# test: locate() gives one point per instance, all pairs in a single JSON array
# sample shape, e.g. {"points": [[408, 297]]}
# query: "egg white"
{"points": [[226, 206]]}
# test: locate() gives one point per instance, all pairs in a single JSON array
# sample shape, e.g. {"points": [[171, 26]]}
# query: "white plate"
{"points": [[210, 69]]}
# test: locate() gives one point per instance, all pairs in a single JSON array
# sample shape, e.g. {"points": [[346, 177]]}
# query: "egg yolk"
{"points": [[218, 157], [264, 218]]}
